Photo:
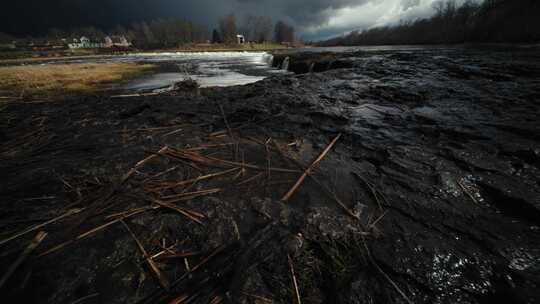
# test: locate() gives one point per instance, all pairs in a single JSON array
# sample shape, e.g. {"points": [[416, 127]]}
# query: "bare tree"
{"points": [[257, 28], [284, 32], [227, 25], [216, 38]]}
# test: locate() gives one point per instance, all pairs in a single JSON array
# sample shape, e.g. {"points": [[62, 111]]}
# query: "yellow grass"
{"points": [[65, 79]]}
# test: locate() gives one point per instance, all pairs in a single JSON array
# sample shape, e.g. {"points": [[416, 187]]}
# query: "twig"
{"points": [[172, 132], [250, 179], [370, 187], [160, 174], [189, 195], [372, 225], [244, 165], [90, 233], [334, 196], [35, 242], [208, 258], [162, 252], [169, 185], [467, 192], [401, 292], [36, 227], [295, 283], [90, 296], [256, 297], [226, 122], [192, 215], [309, 169], [206, 147], [177, 256], [124, 213], [325, 189], [161, 278], [141, 163], [208, 160]]}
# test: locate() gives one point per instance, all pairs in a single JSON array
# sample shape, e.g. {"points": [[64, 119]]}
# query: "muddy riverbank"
{"points": [[427, 191]]}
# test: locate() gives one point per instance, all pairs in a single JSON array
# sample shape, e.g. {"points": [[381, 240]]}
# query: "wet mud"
{"points": [[431, 193]]}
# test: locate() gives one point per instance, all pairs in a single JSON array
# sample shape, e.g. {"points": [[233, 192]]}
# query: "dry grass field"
{"points": [[49, 81]]}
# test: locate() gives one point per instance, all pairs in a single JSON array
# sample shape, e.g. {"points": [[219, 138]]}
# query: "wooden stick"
{"points": [[295, 187], [226, 122], [124, 213], [35, 242], [206, 147], [209, 257], [173, 132], [185, 154], [141, 163], [251, 166], [256, 297], [387, 277], [177, 256], [83, 299], [467, 192], [295, 283], [89, 233], [179, 300], [192, 215], [169, 185], [189, 195], [161, 278], [333, 196], [250, 179], [36, 227], [372, 225]]}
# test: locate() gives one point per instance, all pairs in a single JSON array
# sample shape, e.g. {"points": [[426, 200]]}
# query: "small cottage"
{"points": [[83, 43], [116, 41], [240, 39]]}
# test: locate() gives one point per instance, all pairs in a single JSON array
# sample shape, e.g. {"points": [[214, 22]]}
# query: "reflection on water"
{"points": [[209, 69]]}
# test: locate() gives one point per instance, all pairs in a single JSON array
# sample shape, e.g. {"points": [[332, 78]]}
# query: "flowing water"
{"points": [[208, 69]]}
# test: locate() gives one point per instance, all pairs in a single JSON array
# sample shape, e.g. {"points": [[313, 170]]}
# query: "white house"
{"points": [[84, 43], [240, 39], [109, 42], [116, 41]]}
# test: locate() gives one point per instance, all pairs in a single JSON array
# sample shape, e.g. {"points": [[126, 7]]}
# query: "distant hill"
{"points": [[492, 21]]}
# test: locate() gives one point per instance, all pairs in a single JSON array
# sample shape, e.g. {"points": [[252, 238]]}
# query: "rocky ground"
{"points": [[427, 191]]}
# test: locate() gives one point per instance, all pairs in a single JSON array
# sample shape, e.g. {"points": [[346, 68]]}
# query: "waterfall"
{"points": [[285, 64], [268, 59], [311, 67]]}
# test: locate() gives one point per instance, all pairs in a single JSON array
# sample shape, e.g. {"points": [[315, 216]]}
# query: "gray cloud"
{"points": [[312, 18], [302, 12]]}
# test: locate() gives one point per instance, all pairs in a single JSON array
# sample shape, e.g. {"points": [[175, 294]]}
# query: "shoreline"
{"points": [[138, 51]]}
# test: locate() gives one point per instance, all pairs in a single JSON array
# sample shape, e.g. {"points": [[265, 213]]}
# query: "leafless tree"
{"points": [[227, 26], [489, 21], [284, 32], [257, 28]]}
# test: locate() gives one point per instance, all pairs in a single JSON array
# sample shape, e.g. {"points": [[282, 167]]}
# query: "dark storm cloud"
{"points": [[302, 12], [309, 16]]}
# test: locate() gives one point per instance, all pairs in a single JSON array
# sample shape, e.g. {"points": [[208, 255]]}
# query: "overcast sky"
{"points": [[314, 19]]}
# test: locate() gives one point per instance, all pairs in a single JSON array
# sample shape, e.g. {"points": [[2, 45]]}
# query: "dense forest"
{"points": [[492, 21]]}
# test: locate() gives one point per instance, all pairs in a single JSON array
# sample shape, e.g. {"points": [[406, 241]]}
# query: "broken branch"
{"points": [[33, 245], [308, 171], [161, 278]]}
